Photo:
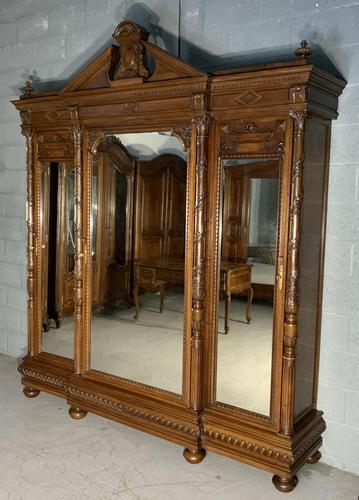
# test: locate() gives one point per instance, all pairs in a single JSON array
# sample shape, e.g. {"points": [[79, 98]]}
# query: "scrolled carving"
{"points": [[94, 139], [202, 124], [297, 94], [184, 134], [299, 118], [132, 56]]}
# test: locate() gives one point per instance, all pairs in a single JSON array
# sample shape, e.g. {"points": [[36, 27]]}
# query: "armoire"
{"points": [[155, 189]]}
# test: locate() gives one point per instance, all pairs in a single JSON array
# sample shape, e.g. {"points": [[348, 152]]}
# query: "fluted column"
{"points": [[292, 289], [79, 255], [31, 237], [198, 277]]}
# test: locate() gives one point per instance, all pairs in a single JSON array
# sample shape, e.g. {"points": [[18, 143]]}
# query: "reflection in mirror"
{"points": [[247, 274], [57, 254], [138, 249]]}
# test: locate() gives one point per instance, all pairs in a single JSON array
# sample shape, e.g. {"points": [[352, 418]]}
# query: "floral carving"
{"points": [[184, 134], [292, 292]]}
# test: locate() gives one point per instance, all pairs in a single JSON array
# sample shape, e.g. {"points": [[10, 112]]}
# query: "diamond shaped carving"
{"points": [[52, 116], [248, 98]]}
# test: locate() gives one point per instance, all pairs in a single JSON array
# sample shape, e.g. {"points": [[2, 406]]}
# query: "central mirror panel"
{"points": [[247, 279], [138, 222]]}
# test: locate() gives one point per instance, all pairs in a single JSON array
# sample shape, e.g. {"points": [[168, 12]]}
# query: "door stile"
{"points": [[214, 229], [188, 138], [91, 140]]}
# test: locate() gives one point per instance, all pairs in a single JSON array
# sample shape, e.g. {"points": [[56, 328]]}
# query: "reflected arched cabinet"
{"points": [[175, 246]]}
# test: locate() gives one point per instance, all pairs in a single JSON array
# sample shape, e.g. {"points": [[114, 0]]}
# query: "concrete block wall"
{"points": [[52, 39]]}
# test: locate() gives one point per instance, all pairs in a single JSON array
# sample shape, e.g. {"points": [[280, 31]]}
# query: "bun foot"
{"points": [[77, 413], [194, 457], [284, 484], [30, 392], [314, 458]]}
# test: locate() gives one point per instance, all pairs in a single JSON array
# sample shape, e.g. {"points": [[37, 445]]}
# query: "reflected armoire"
{"points": [[162, 203]]}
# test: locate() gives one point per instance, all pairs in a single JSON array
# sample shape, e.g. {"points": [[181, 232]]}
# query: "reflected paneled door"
{"points": [[249, 237], [138, 238], [57, 201]]}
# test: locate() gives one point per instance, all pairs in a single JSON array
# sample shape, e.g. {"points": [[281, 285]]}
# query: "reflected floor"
{"points": [[150, 349]]}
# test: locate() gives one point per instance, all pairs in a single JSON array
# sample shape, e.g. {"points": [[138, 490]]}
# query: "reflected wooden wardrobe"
{"points": [[154, 191]]}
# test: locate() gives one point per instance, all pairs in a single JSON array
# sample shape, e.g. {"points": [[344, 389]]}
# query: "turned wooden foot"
{"points": [[194, 457], [314, 458], [30, 392], [77, 413], [284, 484]]}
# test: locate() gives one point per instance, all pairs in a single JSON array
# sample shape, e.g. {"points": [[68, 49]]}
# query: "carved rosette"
{"points": [[202, 126], [30, 216], [292, 283], [76, 130]]}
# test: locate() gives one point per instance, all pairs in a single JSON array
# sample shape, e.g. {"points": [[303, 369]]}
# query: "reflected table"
{"points": [[165, 272]]}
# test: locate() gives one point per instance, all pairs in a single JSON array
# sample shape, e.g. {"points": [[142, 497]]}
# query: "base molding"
{"points": [[170, 418]]}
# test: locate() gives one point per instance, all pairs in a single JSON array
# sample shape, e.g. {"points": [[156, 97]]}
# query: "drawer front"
{"points": [[170, 276]]}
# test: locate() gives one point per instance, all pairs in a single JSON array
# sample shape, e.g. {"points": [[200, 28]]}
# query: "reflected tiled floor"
{"points": [[45, 455]]}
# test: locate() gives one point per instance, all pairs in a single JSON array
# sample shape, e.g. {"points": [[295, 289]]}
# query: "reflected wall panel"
{"points": [[314, 197]]}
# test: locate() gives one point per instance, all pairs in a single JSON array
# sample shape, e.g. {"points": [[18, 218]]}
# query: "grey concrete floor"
{"points": [[45, 455]]}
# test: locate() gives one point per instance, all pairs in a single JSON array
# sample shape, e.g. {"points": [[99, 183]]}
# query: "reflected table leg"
{"points": [[249, 302], [227, 304], [137, 305]]}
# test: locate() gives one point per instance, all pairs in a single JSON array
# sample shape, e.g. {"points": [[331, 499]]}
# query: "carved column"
{"points": [[76, 130], [31, 237], [292, 291], [198, 285]]}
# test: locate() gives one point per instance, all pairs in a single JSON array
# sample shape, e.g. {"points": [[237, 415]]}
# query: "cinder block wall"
{"points": [[52, 39]]}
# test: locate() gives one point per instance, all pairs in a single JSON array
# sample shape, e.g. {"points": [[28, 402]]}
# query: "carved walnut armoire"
{"points": [[251, 149]]}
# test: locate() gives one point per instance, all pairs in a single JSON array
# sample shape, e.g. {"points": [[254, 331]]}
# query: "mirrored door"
{"points": [[247, 283], [138, 222]]}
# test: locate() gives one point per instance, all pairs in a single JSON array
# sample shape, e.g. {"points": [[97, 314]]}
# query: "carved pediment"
{"points": [[128, 63], [54, 146]]}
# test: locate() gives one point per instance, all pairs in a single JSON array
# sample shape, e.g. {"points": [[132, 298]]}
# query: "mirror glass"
{"points": [[138, 250], [57, 254], [247, 276]]}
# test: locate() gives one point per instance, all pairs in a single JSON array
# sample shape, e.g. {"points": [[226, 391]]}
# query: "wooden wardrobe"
{"points": [[246, 135]]}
